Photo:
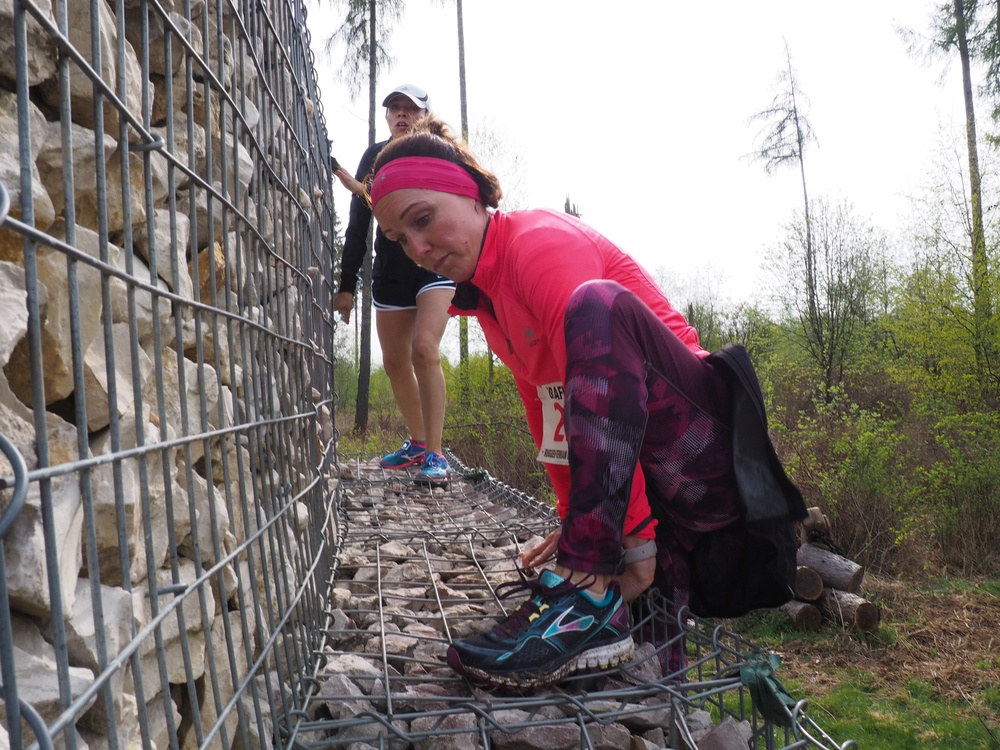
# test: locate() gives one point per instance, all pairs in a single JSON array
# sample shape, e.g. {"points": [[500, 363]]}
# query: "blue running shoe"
{"points": [[435, 470], [559, 630], [411, 453]]}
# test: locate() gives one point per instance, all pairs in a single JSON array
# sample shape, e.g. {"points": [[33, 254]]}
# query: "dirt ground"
{"points": [[948, 640]]}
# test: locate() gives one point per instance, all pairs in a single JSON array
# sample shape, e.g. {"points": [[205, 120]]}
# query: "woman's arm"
{"points": [[349, 182], [638, 576]]}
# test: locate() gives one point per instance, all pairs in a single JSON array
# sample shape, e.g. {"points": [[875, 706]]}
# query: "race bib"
{"points": [[555, 449]]}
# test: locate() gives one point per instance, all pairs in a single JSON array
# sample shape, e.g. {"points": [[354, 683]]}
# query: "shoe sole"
{"points": [[428, 481], [599, 658]]}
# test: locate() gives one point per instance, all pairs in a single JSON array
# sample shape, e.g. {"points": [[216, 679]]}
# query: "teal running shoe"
{"points": [[410, 454], [435, 471]]}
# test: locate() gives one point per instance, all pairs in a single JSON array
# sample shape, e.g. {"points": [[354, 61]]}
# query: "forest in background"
{"points": [[878, 355]]}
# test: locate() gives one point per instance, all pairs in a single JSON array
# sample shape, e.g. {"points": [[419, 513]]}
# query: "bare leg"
{"points": [[395, 333], [431, 320]]}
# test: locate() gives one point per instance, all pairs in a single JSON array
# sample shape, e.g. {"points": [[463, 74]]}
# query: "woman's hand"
{"points": [[349, 182], [638, 576], [343, 303], [542, 552]]}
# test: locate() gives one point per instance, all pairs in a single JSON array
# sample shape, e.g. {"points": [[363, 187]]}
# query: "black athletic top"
{"points": [[390, 261]]}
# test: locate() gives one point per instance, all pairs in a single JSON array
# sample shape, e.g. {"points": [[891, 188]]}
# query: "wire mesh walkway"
{"points": [[419, 567]]}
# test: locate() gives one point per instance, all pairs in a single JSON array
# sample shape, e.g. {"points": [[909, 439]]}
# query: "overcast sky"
{"points": [[639, 112]]}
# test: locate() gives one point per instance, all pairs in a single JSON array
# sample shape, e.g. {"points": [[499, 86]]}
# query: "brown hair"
{"points": [[432, 137]]}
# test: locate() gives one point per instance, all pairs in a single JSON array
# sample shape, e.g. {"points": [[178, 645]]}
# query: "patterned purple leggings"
{"points": [[636, 394]]}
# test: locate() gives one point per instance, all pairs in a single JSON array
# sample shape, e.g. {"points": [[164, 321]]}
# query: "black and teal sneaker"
{"points": [[559, 630]]}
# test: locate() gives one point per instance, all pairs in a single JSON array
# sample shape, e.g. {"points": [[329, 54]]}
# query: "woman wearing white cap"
{"points": [[411, 307]]}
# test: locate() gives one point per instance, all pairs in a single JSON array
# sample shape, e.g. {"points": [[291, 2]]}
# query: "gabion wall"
{"points": [[167, 515]]}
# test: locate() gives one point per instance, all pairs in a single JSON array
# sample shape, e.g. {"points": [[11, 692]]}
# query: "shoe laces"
{"points": [[434, 460], [410, 447], [520, 618]]}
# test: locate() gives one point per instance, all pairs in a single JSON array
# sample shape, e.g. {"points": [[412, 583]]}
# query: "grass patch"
{"points": [[929, 677], [857, 709]]}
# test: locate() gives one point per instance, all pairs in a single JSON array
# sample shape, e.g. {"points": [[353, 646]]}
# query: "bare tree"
{"points": [[985, 344], [829, 285], [957, 31], [502, 157], [782, 141], [463, 321]]}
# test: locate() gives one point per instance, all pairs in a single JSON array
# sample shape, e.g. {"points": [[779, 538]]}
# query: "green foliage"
{"points": [[383, 413], [963, 487], [345, 381], [931, 329], [486, 427]]}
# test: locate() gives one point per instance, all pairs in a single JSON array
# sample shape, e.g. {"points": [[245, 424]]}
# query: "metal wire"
{"points": [[170, 522], [449, 550], [186, 561]]}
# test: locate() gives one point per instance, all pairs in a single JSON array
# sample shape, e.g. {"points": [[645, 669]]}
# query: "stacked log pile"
{"points": [[827, 583]]}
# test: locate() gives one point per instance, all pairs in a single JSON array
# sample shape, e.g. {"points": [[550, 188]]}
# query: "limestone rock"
{"points": [[40, 48], [81, 87], [168, 243], [108, 504], [116, 632], [12, 243], [17, 424], [57, 328], [173, 640], [13, 310], [36, 673], [25, 554], [97, 384]]}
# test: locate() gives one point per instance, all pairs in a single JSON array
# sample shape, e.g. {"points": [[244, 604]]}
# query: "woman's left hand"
{"points": [[637, 576], [542, 552]]}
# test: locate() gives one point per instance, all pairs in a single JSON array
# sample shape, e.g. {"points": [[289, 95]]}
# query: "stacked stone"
{"points": [[158, 343], [422, 567]]}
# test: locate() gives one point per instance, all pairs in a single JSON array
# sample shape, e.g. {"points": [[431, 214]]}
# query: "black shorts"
{"points": [[396, 293]]}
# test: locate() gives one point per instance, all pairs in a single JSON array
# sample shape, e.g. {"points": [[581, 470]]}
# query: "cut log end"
{"points": [[802, 615], [808, 584], [850, 610]]}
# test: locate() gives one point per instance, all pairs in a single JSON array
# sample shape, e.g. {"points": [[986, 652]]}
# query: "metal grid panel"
{"points": [[168, 464], [166, 246], [421, 567]]}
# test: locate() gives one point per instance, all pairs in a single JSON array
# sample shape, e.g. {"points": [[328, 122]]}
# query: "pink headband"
{"points": [[426, 173]]}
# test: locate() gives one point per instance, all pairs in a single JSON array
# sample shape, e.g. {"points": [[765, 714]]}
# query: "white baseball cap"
{"points": [[414, 93]]}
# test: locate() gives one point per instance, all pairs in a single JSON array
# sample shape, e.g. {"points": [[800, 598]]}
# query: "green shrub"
{"points": [[962, 491], [486, 427]]}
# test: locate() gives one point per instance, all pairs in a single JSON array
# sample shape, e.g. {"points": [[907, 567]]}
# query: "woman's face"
{"points": [[441, 232], [401, 114]]}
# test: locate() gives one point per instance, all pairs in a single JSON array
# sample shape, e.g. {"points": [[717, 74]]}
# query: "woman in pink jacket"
{"points": [[628, 411]]}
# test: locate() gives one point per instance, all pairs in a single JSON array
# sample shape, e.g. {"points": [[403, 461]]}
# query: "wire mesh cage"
{"points": [[421, 567], [166, 251], [186, 561]]}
